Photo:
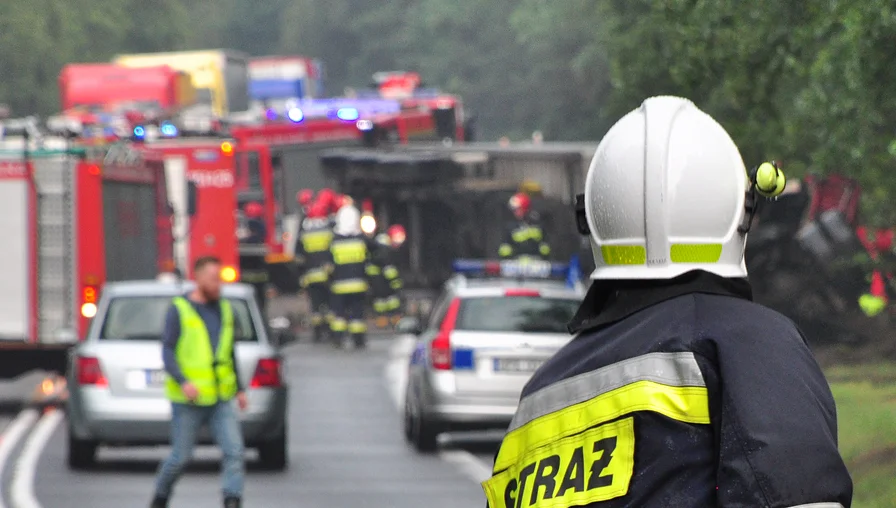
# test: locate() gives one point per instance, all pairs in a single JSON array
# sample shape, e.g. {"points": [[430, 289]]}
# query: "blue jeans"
{"points": [[186, 422]]}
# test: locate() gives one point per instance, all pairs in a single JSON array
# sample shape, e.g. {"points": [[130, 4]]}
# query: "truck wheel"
{"points": [[81, 453], [273, 454]]}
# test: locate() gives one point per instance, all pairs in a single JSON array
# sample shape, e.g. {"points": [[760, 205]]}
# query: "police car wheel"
{"points": [[273, 454], [81, 453]]}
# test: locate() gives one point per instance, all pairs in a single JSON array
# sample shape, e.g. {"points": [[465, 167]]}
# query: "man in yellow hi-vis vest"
{"points": [[202, 383]]}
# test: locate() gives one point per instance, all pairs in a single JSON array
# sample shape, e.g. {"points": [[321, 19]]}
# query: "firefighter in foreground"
{"points": [[348, 280], [678, 390], [525, 239], [313, 246]]}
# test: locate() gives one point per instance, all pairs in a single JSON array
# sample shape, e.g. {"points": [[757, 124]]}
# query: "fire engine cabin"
{"points": [[200, 175], [73, 218]]}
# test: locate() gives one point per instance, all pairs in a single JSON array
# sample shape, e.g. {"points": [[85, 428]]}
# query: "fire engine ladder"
{"points": [[54, 179]]}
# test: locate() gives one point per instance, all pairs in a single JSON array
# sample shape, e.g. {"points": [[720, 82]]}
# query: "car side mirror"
{"points": [[192, 198], [409, 325]]}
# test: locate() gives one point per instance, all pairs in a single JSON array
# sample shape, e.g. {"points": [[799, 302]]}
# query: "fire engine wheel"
{"points": [[81, 453], [419, 431], [273, 454]]}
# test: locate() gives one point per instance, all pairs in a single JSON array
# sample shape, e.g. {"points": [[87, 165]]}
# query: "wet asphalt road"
{"points": [[346, 449]]}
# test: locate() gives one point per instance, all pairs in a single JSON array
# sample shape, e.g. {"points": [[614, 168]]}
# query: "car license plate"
{"points": [[143, 379], [516, 365]]}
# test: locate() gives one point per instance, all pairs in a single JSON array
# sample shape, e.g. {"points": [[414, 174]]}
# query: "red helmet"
{"points": [[254, 209], [883, 240], [305, 196], [520, 203], [397, 234], [318, 210], [326, 196]]}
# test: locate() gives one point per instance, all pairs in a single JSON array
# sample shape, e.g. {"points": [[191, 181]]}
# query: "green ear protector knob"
{"points": [[769, 180]]}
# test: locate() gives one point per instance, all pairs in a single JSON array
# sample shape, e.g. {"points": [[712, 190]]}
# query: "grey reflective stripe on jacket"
{"points": [[672, 369]]}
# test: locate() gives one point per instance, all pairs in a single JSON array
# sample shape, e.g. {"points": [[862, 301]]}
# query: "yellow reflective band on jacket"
{"points": [[593, 466], [316, 241], [344, 287], [212, 372], [396, 284], [338, 324], [254, 276], [390, 272], [544, 249], [393, 303], [348, 251], [872, 305], [505, 250], [315, 276], [670, 384], [372, 270], [525, 234]]}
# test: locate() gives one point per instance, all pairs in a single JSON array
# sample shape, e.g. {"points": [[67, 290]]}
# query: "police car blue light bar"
{"points": [[529, 268]]}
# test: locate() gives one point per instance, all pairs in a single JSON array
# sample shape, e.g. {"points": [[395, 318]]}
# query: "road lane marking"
{"points": [[10, 439], [22, 490], [472, 467]]}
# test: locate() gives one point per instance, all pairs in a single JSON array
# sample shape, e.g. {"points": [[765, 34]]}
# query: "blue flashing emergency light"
{"points": [[295, 115], [168, 130], [522, 268], [347, 114], [139, 131], [271, 114]]}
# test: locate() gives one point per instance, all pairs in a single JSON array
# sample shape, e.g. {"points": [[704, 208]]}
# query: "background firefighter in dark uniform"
{"points": [[397, 236], [678, 390], [255, 272], [525, 238], [313, 245], [348, 280]]}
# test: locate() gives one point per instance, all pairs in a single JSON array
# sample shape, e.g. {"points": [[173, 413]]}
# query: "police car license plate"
{"points": [[516, 365]]}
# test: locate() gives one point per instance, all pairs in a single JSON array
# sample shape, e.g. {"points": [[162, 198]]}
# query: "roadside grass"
{"points": [[866, 412]]}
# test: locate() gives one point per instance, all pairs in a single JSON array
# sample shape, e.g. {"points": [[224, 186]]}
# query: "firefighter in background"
{"points": [[313, 245], [255, 273], [327, 198], [348, 280], [397, 236], [878, 244], [305, 197], [525, 239], [379, 286]]}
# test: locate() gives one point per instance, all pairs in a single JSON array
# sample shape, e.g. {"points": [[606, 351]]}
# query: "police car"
{"points": [[494, 324]]}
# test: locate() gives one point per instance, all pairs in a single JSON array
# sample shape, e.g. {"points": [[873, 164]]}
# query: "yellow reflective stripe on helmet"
{"points": [[316, 241], [667, 383], [348, 286], [695, 253], [624, 254]]}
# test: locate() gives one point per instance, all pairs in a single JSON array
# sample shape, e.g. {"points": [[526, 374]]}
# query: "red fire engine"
{"points": [[74, 218]]}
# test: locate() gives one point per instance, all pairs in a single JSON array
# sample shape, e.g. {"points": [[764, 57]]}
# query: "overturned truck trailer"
{"points": [[453, 199]]}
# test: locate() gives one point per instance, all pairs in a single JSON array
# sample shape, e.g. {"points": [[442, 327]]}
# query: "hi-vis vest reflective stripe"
{"points": [[560, 451], [212, 372]]}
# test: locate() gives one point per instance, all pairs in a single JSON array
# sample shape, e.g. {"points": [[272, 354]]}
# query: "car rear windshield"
{"points": [[143, 318], [516, 314]]}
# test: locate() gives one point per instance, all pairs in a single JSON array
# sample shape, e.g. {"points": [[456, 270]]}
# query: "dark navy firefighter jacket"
{"points": [[675, 394]]}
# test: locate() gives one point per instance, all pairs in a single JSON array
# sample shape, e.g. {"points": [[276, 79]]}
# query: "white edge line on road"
{"points": [[17, 430], [22, 489], [396, 379]]}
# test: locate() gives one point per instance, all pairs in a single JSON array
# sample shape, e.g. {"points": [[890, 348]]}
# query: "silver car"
{"points": [[482, 342], [116, 377]]}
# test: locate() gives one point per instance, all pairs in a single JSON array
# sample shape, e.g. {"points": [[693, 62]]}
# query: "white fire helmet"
{"points": [[348, 221], [665, 195]]}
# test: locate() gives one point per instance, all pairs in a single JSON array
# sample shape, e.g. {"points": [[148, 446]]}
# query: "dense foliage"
{"points": [[804, 81]]}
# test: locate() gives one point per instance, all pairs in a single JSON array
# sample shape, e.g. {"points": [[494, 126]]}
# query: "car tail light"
{"points": [[440, 347], [267, 374], [522, 292], [89, 372]]}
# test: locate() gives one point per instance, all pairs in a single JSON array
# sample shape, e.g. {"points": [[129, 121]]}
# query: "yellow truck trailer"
{"points": [[220, 77]]}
